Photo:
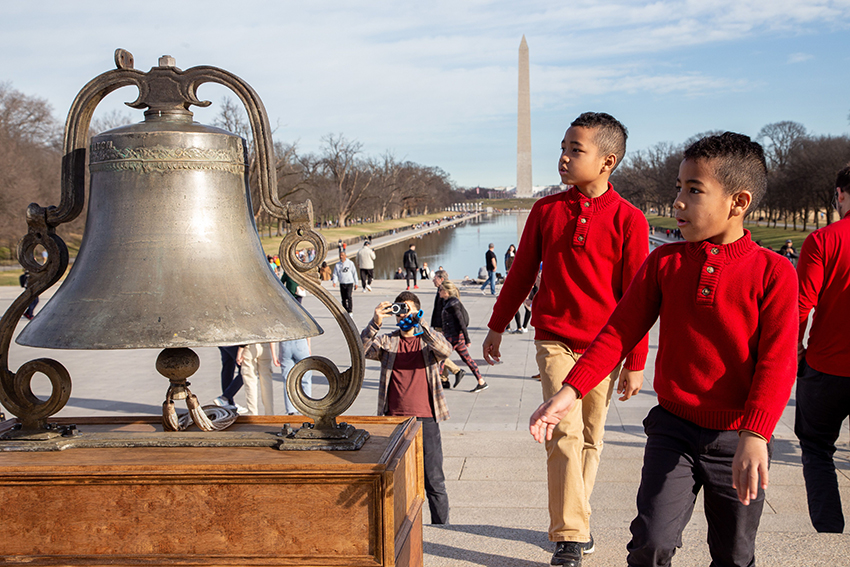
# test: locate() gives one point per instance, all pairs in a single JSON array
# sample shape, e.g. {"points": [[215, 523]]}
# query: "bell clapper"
{"points": [[177, 364]]}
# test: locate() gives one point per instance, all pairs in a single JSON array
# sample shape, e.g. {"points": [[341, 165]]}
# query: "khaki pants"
{"points": [[257, 371], [576, 445], [449, 367]]}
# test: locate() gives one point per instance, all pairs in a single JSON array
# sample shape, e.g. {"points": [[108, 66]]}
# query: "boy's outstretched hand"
{"points": [[551, 412], [491, 347], [749, 463], [630, 383]]}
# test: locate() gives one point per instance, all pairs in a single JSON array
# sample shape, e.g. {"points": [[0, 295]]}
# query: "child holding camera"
{"points": [[410, 384]]}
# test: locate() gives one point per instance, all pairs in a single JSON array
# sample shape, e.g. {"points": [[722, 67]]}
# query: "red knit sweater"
{"points": [[727, 344], [824, 273], [590, 249]]}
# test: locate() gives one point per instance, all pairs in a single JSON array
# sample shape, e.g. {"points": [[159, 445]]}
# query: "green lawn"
{"points": [[769, 236]]}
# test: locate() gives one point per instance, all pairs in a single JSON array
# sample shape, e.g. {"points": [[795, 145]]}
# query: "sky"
{"points": [[436, 82]]}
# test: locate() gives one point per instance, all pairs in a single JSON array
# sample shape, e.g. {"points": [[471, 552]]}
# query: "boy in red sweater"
{"points": [[823, 386], [725, 364], [591, 243]]}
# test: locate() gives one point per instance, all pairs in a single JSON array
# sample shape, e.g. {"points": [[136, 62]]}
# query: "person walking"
{"points": [[411, 265], [366, 264], [230, 384], [449, 367], [455, 322], [344, 276], [823, 381], [509, 257], [291, 352], [591, 242], [490, 263], [256, 361]]}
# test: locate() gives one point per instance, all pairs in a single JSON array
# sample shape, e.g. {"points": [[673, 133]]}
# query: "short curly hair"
{"points": [[739, 163]]}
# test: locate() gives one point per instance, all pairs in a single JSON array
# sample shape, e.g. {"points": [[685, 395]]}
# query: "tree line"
{"points": [[345, 185], [801, 175]]}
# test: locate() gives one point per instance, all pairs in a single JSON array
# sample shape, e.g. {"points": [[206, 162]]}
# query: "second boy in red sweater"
{"points": [[725, 365], [591, 243]]}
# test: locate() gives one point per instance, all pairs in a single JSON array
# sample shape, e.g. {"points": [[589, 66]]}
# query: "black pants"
{"points": [[410, 273], [525, 321], [823, 401], [680, 459], [435, 480], [345, 291], [366, 276], [230, 384]]}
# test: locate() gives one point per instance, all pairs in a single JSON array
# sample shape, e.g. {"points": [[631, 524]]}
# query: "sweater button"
{"points": [[587, 203], [710, 269], [705, 291], [581, 238], [582, 220], [715, 250]]}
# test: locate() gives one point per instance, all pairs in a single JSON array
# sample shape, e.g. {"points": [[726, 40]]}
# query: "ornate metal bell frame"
{"points": [[167, 92]]}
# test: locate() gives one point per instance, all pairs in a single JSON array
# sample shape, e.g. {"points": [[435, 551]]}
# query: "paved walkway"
{"points": [[496, 472]]}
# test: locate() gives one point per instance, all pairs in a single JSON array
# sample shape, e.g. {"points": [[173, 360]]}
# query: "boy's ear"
{"points": [[740, 203], [609, 162]]}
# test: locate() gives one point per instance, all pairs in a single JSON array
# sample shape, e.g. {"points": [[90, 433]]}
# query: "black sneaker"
{"points": [[458, 376], [589, 547], [567, 553], [479, 388], [446, 384]]}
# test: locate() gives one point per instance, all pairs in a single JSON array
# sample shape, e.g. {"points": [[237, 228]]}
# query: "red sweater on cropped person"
{"points": [[727, 342], [824, 274], [590, 249]]}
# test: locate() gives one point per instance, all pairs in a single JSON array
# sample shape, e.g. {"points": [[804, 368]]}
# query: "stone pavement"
{"points": [[495, 471]]}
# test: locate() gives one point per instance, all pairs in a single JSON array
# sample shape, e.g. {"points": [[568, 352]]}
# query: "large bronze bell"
{"points": [[170, 258]]}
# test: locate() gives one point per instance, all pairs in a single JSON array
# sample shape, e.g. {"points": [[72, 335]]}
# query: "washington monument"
{"points": [[523, 132]]}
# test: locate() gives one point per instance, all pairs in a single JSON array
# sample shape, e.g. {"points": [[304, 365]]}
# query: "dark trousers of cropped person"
{"points": [[345, 291], [410, 273], [366, 276], [680, 459], [525, 321], [435, 480], [823, 401], [230, 384]]}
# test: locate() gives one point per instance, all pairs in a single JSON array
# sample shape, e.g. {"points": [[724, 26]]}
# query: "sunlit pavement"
{"points": [[496, 472]]}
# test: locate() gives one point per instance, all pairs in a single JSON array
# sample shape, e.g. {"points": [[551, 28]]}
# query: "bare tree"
{"points": [[347, 176], [779, 140]]}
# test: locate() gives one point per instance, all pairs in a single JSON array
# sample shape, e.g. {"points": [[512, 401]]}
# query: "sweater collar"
{"points": [[599, 203], [731, 251]]}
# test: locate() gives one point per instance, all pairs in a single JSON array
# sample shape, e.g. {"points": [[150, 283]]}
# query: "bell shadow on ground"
{"points": [[532, 537], [115, 405]]}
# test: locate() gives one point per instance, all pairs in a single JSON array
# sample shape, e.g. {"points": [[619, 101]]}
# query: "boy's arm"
{"points": [[518, 283], [635, 252], [372, 343], [810, 276], [632, 318], [776, 363]]}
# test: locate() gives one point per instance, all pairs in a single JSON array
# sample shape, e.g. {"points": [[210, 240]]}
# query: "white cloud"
{"points": [[799, 57]]}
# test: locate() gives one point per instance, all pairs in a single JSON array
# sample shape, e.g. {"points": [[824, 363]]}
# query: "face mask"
{"points": [[410, 322]]}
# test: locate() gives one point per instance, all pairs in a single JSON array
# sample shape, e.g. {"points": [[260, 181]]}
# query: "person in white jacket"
{"points": [[366, 263]]}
